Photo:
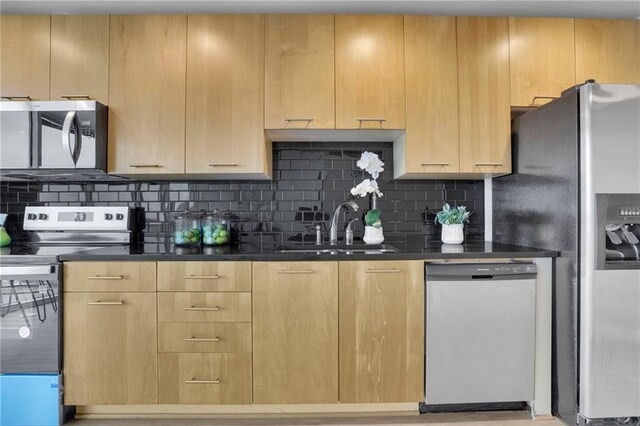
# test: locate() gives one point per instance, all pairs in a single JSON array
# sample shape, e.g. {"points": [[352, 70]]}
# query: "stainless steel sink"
{"points": [[337, 249]]}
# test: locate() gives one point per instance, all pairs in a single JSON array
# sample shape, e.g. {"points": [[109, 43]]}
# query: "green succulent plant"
{"points": [[372, 218], [452, 215]]}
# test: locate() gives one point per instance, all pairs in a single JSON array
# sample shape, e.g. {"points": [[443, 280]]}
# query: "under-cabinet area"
{"points": [[265, 333]]}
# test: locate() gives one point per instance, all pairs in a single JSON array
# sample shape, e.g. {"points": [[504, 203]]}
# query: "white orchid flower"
{"points": [[366, 187], [371, 163]]}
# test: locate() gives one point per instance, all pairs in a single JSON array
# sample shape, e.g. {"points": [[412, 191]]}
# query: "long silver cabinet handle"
{"points": [[382, 271], [106, 278], [10, 98], [195, 308], [146, 166], [489, 164], [202, 277], [304, 271], [371, 119], [70, 97], [434, 164], [202, 339], [121, 302], [298, 119], [223, 165], [202, 382]]}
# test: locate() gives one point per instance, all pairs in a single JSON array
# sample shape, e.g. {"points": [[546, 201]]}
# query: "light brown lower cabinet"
{"points": [[204, 378], [110, 348], [295, 332], [381, 331]]}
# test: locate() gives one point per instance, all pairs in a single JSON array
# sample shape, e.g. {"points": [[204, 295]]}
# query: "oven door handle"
{"points": [[72, 120], [22, 271]]}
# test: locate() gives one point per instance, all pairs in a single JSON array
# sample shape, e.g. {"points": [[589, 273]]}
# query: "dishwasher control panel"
{"points": [[480, 270]]}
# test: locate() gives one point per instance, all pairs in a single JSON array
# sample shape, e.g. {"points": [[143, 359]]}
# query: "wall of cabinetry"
{"points": [[218, 81]]}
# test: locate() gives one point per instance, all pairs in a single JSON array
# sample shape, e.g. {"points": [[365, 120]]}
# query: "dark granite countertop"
{"points": [[406, 251]]}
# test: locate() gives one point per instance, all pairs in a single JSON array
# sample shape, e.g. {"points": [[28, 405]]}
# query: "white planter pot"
{"points": [[373, 235], [453, 234]]}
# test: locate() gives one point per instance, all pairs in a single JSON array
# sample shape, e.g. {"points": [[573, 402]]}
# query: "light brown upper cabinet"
{"points": [[225, 96], [80, 57], [25, 46], [295, 332], [608, 50], [147, 94], [483, 87], [431, 139], [299, 72], [542, 59], [381, 331], [370, 72]]}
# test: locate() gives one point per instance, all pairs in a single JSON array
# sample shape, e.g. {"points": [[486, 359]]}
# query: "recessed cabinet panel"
{"points": [[542, 59], [381, 331], [370, 72], [225, 96], [608, 50], [431, 143], [483, 87], [80, 57], [295, 332], [110, 348], [25, 46], [299, 72], [147, 94]]}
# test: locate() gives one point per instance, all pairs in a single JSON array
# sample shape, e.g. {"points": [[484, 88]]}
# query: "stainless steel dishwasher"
{"points": [[480, 333]]}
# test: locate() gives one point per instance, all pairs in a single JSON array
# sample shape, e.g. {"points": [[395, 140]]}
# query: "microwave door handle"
{"points": [[78, 145], [71, 120]]}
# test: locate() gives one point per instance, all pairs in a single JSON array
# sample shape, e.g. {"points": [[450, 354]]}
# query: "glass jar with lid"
{"points": [[187, 229], [215, 229]]}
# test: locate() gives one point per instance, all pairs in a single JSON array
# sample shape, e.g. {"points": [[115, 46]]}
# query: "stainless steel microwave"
{"points": [[53, 140]]}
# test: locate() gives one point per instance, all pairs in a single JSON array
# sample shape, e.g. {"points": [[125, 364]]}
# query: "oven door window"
{"points": [[29, 326], [15, 139]]}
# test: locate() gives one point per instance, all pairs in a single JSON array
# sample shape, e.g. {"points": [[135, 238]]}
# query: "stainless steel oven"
{"points": [[30, 317], [56, 138]]}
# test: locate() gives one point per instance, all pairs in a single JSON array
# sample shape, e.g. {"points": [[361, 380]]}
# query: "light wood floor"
{"points": [[506, 418]]}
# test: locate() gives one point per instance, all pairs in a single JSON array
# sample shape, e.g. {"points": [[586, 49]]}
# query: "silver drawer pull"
{"points": [[202, 339], [304, 271], [195, 308], [298, 119], [146, 166], [70, 97], [106, 278], [535, 98], [489, 164], [121, 302], [434, 164], [382, 271], [372, 119], [223, 165], [202, 277], [10, 98], [195, 381]]}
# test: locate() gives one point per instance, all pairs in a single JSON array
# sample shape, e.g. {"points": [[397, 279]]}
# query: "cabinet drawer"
{"points": [[204, 307], [204, 337], [204, 276], [204, 378], [110, 276]]}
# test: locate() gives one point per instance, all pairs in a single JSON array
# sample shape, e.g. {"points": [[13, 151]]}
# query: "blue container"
{"points": [[30, 400]]}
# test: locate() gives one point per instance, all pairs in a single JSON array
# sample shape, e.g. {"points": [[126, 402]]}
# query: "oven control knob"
{"points": [[108, 216], [42, 216], [32, 216], [119, 216]]}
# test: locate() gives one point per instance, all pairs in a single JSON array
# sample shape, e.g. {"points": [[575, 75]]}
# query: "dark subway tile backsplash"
{"points": [[310, 180]]}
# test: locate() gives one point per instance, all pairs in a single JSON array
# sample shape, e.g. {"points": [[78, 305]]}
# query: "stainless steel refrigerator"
{"points": [[576, 189]]}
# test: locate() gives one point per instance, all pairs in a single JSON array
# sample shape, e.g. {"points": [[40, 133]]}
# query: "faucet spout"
{"points": [[333, 230]]}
